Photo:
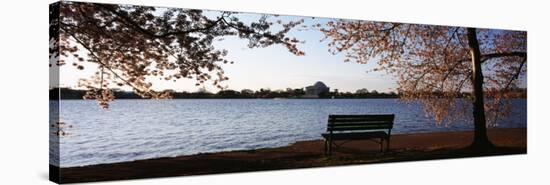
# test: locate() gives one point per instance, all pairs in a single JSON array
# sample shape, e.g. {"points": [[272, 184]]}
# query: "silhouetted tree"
{"points": [[362, 91], [228, 94], [444, 59], [130, 44], [298, 92], [247, 92]]}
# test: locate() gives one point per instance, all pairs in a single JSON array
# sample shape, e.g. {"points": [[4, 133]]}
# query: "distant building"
{"points": [[315, 90]]}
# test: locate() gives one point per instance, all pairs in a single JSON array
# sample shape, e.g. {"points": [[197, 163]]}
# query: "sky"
{"points": [[273, 67]]}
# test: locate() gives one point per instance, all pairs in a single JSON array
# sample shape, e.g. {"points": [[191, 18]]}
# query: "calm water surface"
{"points": [[141, 129]]}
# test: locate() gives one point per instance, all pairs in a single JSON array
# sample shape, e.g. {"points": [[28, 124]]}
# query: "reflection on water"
{"points": [[141, 129]]}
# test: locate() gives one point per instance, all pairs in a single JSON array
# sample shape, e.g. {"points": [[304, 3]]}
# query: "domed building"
{"points": [[316, 89]]}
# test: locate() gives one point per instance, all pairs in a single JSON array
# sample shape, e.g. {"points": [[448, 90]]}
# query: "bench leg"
{"points": [[381, 144], [387, 144], [325, 147], [329, 147]]}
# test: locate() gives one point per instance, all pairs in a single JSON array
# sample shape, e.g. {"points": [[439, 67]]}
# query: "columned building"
{"points": [[316, 89]]}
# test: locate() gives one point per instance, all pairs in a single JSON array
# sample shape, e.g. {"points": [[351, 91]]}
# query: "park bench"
{"points": [[358, 127]]}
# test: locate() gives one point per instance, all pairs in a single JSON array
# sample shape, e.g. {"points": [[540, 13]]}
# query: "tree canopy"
{"points": [[436, 64], [133, 43]]}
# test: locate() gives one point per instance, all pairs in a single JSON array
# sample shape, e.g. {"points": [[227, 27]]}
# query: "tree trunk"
{"points": [[481, 141]]}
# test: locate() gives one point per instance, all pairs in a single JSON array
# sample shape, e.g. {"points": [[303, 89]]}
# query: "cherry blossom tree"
{"points": [[438, 64], [132, 44]]}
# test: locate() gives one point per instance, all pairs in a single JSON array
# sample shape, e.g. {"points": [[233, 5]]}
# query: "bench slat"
{"points": [[351, 128], [361, 127], [380, 117], [352, 136], [358, 120], [360, 123], [360, 115]]}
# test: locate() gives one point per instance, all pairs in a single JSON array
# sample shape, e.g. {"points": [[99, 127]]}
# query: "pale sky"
{"points": [[273, 67]]}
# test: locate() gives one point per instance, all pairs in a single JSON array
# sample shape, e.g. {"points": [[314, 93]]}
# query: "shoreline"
{"points": [[303, 154], [240, 98]]}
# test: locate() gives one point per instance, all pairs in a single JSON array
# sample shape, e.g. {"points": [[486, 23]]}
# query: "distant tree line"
{"points": [[67, 93]]}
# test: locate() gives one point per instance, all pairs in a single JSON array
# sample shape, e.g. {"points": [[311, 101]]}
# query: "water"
{"points": [[141, 129]]}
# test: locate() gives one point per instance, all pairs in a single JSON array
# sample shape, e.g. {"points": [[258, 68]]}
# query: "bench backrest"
{"points": [[360, 122]]}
